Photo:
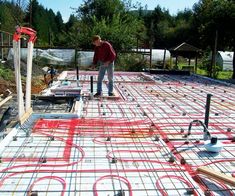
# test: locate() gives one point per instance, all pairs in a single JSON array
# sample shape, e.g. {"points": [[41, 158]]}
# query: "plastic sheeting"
{"points": [[84, 58]]}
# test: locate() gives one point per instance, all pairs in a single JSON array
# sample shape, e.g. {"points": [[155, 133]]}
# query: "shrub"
{"points": [[130, 62], [6, 73]]}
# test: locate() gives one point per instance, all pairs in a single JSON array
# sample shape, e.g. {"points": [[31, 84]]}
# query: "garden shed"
{"points": [[187, 51]]}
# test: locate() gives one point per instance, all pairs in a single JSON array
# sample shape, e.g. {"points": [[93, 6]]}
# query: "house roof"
{"points": [[185, 50], [185, 47]]}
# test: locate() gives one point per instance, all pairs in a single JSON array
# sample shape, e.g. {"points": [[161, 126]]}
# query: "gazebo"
{"points": [[187, 51]]}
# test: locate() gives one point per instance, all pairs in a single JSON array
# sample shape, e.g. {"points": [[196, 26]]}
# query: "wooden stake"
{"points": [[25, 116], [5, 100]]}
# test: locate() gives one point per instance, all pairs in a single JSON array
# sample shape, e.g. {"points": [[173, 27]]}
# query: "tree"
{"points": [[49, 26], [158, 22], [39, 21], [179, 29], [100, 9], [10, 16], [71, 22], [17, 10], [6, 19], [110, 19], [216, 17], [59, 21]]}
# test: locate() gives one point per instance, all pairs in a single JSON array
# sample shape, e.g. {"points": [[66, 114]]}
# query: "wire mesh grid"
{"points": [[135, 145]]}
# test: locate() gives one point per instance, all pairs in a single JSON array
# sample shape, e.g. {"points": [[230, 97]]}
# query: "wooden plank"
{"points": [[5, 100], [216, 175], [116, 96], [25, 116]]}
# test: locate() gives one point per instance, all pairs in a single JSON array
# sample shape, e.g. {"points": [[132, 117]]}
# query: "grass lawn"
{"points": [[222, 75], [225, 75]]}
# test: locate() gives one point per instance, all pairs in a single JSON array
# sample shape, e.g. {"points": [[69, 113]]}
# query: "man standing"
{"points": [[104, 56]]}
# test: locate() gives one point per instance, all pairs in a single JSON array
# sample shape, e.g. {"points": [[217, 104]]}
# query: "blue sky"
{"points": [[64, 6]]}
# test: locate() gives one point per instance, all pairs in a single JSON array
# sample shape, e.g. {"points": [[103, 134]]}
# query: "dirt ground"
{"points": [[38, 85], [38, 81], [4, 85]]}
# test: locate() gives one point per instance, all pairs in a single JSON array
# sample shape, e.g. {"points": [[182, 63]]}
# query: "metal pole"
{"points": [[214, 53], [195, 70], [164, 59], [20, 100], [176, 60], [9, 40], [77, 73], [207, 112], [29, 76], [91, 84], [150, 59], [2, 45], [151, 45], [76, 65]]}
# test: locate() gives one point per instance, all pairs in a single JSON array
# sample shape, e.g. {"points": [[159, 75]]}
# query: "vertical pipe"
{"points": [[91, 84], [77, 73], [207, 112], [2, 45], [29, 76], [195, 70], [176, 60], [15, 53], [20, 100], [151, 44], [137, 44], [150, 59], [76, 65], [9, 39], [21, 95], [164, 59], [213, 68]]}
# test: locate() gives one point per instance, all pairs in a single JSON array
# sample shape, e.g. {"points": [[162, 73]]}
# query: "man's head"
{"points": [[96, 40]]}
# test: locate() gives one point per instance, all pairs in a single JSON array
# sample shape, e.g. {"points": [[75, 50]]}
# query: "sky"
{"points": [[64, 6]]}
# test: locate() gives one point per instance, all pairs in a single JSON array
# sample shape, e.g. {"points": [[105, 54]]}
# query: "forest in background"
{"points": [[126, 25]]}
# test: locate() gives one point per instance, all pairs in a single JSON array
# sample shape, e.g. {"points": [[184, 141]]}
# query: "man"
{"points": [[51, 72], [104, 56]]}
